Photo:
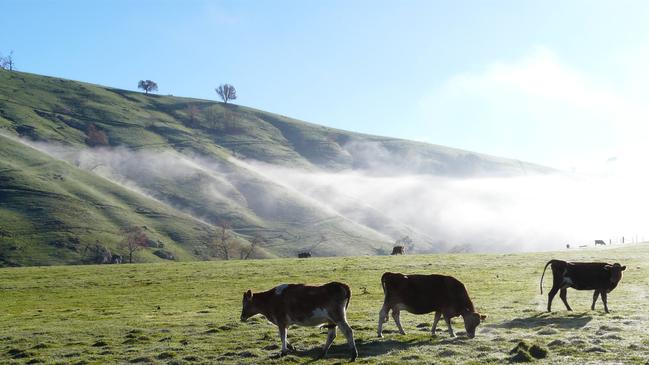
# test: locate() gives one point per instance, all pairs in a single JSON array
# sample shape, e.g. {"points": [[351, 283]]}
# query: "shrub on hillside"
{"points": [[95, 137]]}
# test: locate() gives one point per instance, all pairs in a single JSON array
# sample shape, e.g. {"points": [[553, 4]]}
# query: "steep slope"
{"points": [[198, 159], [50, 211]]}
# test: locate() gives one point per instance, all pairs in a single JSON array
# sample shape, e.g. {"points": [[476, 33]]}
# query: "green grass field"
{"points": [[188, 313]]}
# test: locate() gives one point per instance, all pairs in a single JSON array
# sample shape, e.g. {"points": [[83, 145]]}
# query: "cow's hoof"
{"points": [[282, 354], [290, 347], [354, 356], [380, 335], [402, 332]]}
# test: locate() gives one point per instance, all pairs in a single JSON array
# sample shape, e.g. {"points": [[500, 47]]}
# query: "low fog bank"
{"points": [[477, 214], [486, 214], [393, 157]]}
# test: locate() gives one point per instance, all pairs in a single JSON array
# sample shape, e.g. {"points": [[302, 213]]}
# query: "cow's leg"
{"points": [[383, 317], [595, 295], [438, 314], [395, 316], [331, 335], [564, 297], [447, 319], [282, 336], [551, 294], [604, 300], [349, 335]]}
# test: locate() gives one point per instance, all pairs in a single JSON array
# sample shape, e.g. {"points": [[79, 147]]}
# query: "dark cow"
{"points": [[600, 242], [304, 255], [598, 276], [303, 305], [421, 294], [397, 250]]}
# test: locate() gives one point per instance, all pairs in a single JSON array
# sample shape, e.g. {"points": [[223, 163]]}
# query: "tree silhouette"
{"points": [[227, 92], [147, 86]]}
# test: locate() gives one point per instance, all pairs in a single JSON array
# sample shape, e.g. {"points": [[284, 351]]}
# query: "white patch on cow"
{"points": [[318, 316], [280, 288]]}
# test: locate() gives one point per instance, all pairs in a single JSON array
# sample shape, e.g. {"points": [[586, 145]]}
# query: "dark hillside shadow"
{"points": [[125, 94], [573, 320]]}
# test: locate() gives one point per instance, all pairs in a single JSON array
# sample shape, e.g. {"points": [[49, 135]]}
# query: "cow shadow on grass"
{"points": [[571, 320], [366, 348]]}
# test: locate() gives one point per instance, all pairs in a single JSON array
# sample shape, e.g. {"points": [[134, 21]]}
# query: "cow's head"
{"points": [[471, 322], [616, 272], [248, 309]]}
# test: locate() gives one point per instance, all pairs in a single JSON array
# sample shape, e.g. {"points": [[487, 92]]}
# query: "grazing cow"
{"points": [[598, 276], [397, 250], [304, 255], [303, 305], [421, 294], [600, 242]]}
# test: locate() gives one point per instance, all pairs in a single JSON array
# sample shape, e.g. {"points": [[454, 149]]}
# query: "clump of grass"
{"points": [[538, 352], [521, 356], [524, 352], [100, 343], [144, 359], [17, 353], [166, 355]]}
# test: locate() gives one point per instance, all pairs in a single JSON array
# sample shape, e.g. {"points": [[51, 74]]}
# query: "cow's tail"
{"points": [[348, 295], [542, 275], [383, 278]]}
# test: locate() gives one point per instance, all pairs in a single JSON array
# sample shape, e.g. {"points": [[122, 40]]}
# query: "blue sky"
{"points": [[562, 83]]}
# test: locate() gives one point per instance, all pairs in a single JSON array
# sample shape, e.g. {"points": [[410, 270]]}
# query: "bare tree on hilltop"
{"points": [[7, 62], [227, 92], [147, 86]]}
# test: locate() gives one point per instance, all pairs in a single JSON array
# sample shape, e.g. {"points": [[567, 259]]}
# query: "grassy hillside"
{"points": [[183, 153], [188, 313], [50, 211]]}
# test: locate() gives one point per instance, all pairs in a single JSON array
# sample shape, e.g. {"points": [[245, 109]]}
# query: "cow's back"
{"points": [[589, 275], [300, 301], [420, 294]]}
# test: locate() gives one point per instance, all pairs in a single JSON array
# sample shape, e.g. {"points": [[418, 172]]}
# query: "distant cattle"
{"points": [[303, 305], [304, 255], [598, 276], [600, 242], [421, 294], [397, 250], [117, 259]]}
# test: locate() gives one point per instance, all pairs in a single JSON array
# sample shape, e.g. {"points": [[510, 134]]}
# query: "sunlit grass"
{"points": [[187, 313]]}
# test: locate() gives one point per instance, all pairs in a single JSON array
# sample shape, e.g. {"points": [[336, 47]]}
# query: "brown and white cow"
{"points": [[422, 294], [303, 305], [598, 276]]}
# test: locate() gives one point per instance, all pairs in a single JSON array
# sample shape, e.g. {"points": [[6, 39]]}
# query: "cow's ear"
{"points": [[483, 317], [248, 294], [623, 268]]}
